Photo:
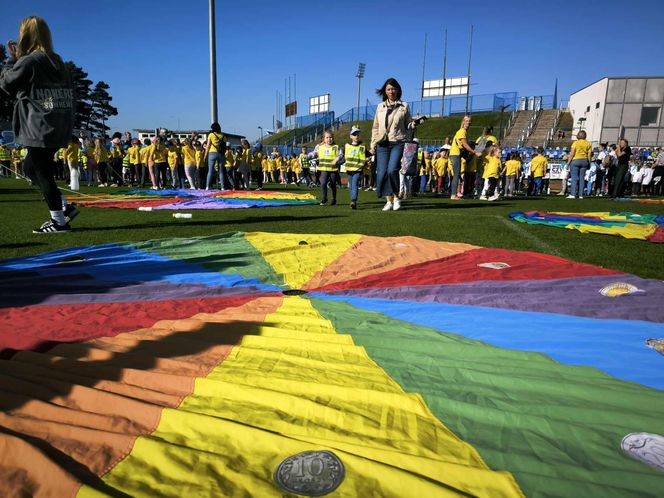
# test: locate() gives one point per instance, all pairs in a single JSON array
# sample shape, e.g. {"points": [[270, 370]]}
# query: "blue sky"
{"points": [[154, 55]]}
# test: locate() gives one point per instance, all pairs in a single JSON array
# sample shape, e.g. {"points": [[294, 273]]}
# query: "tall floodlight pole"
{"points": [[442, 112], [424, 61], [213, 65], [470, 54], [359, 76]]}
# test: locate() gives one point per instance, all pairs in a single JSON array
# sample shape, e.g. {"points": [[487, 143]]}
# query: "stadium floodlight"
{"points": [[359, 76]]}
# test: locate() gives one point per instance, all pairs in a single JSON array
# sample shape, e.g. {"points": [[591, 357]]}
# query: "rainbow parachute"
{"points": [[648, 227], [194, 199], [216, 366]]}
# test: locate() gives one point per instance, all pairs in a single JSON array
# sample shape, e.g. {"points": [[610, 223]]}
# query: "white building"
{"points": [[144, 133], [621, 107]]}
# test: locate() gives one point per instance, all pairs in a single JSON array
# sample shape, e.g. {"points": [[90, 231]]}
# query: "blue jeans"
{"points": [[456, 170], [538, 185], [353, 183], [423, 183], [388, 162], [224, 181], [578, 169]]}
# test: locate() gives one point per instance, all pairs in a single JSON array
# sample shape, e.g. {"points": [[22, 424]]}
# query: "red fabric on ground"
{"points": [[31, 326], [462, 268], [658, 236]]}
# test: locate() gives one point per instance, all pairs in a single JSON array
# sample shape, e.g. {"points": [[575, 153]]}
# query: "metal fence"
{"points": [[434, 107]]}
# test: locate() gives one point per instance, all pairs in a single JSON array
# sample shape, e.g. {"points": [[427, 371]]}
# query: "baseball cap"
{"points": [[354, 130]]}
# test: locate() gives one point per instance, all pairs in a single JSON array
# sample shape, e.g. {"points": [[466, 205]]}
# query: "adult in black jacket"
{"points": [[44, 111]]}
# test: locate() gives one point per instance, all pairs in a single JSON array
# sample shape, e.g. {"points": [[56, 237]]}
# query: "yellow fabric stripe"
{"points": [[298, 262], [286, 390]]}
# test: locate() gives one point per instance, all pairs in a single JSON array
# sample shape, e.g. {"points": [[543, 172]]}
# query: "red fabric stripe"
{"points": [[33, 326], [658, 236], [462, 268]]}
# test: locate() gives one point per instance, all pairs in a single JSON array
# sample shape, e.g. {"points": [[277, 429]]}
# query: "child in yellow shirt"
{"points": [[492, 174], [71, 157]]}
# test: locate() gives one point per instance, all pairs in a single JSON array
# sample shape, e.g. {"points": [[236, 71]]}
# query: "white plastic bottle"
{"points": [[181, 215]]}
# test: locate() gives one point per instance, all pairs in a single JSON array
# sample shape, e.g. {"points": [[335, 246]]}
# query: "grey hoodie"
{"points": [[44, 110]]}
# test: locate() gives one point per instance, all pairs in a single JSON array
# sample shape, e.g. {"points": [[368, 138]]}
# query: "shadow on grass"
{"points": [[19, 245], [201, 223]]}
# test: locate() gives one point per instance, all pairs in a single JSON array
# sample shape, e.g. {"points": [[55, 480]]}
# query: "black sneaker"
{"points": [[70, 212], [353, 205], [323, 203], [333, 203], [52, 226]]}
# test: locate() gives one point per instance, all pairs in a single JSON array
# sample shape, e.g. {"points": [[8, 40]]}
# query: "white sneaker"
{"points": [[580, 197], [570, 197], [396, 205], [388, 206], [484, 198], [493, 198]]}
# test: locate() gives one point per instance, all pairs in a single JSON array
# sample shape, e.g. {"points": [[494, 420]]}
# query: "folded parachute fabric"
{"points": [[260, 364], [648, 227], [194, 199]]}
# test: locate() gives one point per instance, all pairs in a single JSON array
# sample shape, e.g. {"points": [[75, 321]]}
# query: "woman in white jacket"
{"points": [[388, 135]]}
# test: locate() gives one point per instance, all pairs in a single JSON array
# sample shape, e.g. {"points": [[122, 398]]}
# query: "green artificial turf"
{"points": [[475, 222]]}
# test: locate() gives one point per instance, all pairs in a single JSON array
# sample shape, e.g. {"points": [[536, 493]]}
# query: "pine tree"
{"points": [[83, 110], [101, 106]]}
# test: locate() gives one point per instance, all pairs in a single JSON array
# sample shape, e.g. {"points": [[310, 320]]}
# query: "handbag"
{"points": [[409, 166], [409, 159]]}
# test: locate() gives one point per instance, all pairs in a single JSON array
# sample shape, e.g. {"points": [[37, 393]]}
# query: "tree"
{"points": [[83, 111], [101, 106]]}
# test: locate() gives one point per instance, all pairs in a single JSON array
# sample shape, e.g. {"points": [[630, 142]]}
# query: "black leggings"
{"points": [[40, 167]]}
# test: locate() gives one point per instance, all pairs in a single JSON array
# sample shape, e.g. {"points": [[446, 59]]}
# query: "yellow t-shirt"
{"points": [[160, 153], [457, 142], [199, 158], [538, 166], [582, 149], [71, 153], [143, 154], [189, 154], [134, 154], [173, 156], [101, 154], [229, 159], [512, 167], [215, 141], [492, 167]]}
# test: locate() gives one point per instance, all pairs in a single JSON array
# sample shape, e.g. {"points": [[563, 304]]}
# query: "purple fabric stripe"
{"points": [[81, 289], [570, 296]]}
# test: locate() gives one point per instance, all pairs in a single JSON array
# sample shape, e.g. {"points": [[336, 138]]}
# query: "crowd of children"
{"points": [[164, 162]]}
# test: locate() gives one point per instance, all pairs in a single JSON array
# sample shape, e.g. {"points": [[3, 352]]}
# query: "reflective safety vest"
{"points": [[304, 162], [326, 155], [125, 161], [5, 155], [355, 157]]}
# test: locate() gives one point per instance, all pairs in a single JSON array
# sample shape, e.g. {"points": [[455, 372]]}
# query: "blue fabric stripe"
{"points": [[125, 263], [617, 347]]}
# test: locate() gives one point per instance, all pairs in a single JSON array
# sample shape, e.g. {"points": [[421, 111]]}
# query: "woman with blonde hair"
{"points": [[44, 112]]}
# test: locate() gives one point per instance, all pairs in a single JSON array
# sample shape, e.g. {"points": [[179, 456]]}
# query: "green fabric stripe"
{"points": [[228, 253], [557, 428]]}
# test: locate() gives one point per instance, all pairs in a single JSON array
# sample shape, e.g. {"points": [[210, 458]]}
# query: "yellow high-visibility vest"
{"points": [[355, 157]]}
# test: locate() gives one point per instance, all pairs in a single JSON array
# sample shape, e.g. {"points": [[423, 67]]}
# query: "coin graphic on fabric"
{"points": [[645, 447], [494, 265], [619, 289], [311, 473]]}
